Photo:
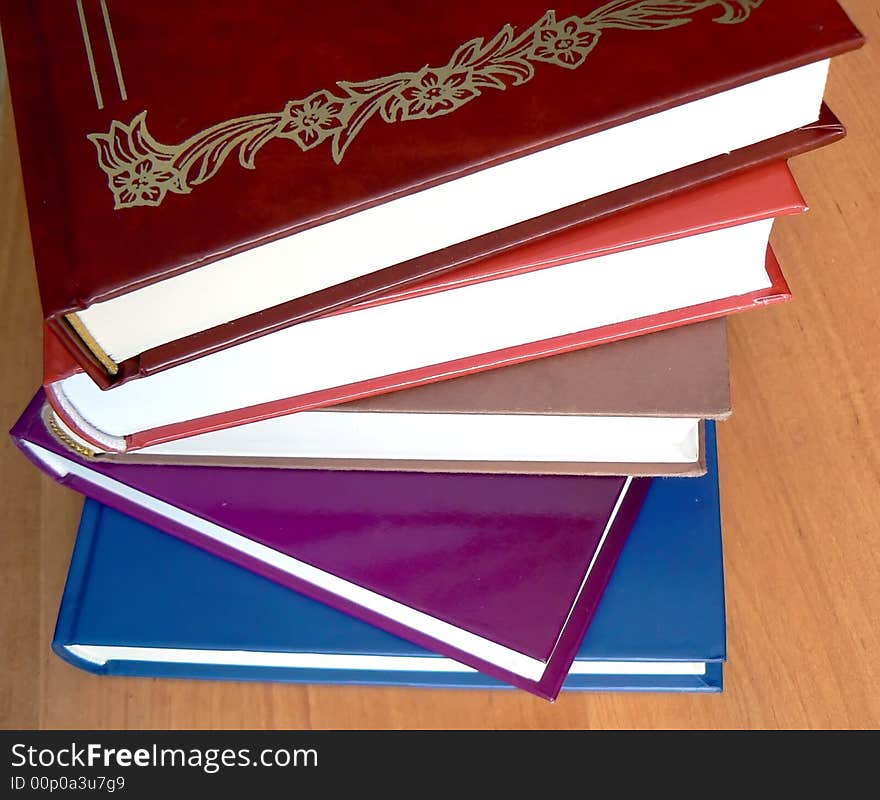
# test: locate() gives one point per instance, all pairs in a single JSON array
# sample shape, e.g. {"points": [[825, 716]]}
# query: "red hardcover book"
{"points": [[688, 258], [288, 160]]}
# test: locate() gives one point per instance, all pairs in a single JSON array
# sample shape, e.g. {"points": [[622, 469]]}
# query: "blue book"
{"points": [[140, 602]]}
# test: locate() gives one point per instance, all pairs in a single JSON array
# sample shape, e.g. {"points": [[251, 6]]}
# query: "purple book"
{"points": [[500, 572]]}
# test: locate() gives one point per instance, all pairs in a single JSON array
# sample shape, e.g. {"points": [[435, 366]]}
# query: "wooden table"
{"points": [[800, 472]]}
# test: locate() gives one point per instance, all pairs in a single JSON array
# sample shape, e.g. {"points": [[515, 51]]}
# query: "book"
{"points": [[632, 407], [500, 572], [324, 169], [129, 608], [676, 261]]}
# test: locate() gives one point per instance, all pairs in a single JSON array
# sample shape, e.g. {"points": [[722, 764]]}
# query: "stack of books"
{"points": [[398, 334]]}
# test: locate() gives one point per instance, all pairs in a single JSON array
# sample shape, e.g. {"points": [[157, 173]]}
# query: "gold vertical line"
{"points": [[112, 40], [88, 45]]}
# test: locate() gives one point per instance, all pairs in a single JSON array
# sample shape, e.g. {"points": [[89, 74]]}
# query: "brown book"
{"points": [[682, 372], [649, 394]]}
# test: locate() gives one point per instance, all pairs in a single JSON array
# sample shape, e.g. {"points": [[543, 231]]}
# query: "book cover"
{"points": [[129, 609], [135, 177], [570, 290], [500, 572], [678, 373], [209, 394]]}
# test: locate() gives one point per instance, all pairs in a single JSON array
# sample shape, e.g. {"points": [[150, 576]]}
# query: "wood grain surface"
{"points": [[800, 481]]}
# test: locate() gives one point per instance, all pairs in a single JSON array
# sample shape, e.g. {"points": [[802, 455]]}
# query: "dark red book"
{"points": [[285, 160]]}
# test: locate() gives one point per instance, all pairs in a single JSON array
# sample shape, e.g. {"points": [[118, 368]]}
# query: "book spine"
{"points": [[48, 191], [713, 680], [585, 607], [48, 187], [719, 654], [77, 578], [86, 440], [90, 361]]}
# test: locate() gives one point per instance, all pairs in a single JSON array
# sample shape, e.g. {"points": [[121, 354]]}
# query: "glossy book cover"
{"points": [[500, 572], [224, 389], [129, 608], [135, 176], [500, 318]]}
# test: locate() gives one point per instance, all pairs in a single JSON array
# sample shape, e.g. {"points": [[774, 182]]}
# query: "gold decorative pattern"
{"points": [[114, 53], [64, 438], [141, 171], [90, 57]]}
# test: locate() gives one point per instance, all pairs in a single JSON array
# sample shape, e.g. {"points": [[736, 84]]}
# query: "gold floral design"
{"points": [[143, 183], [567, 43], [138, 173], [141, 171], [431, 93], [311, 121]]}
